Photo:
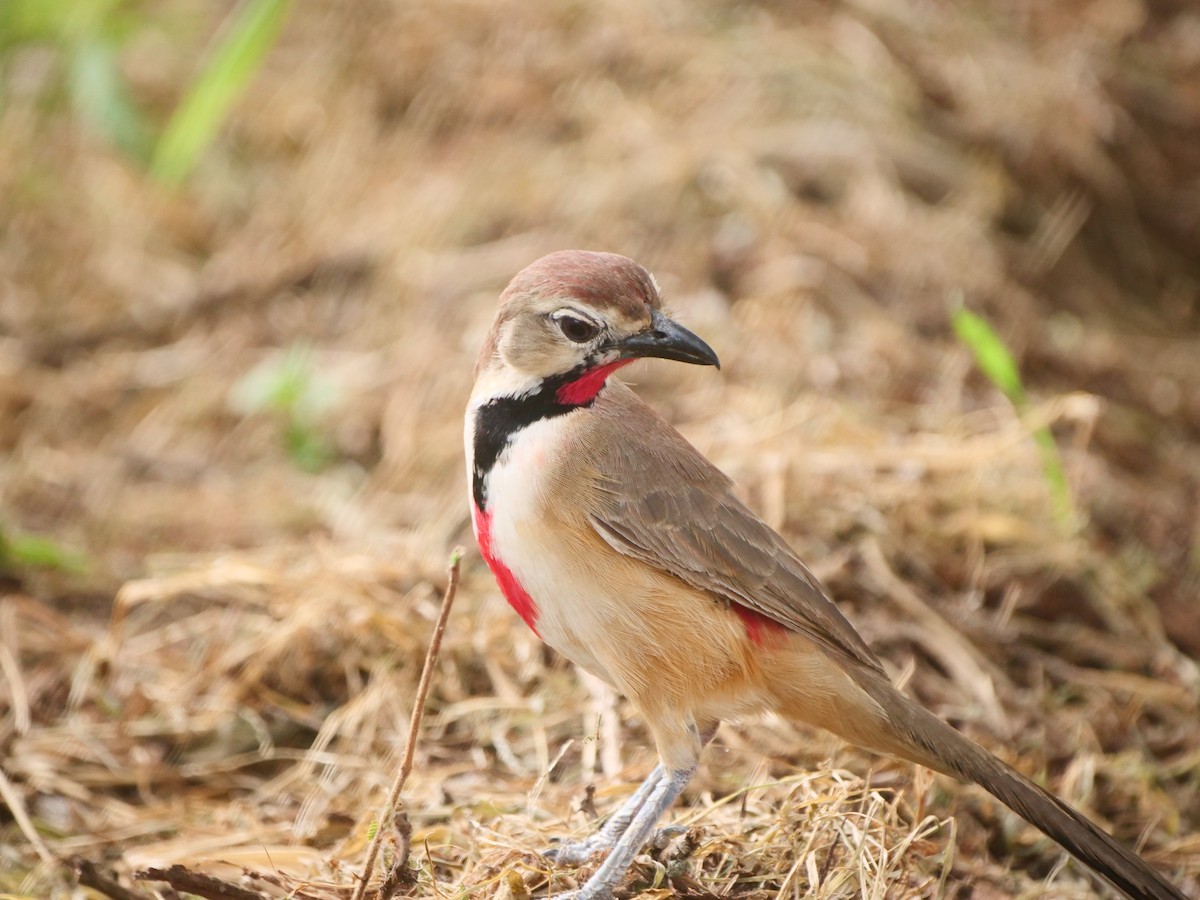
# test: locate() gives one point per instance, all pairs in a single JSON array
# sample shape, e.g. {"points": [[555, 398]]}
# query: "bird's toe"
{"points": [[665, 835], [571, 853]]}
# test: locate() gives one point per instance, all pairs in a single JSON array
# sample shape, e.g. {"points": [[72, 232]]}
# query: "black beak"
{"points": [[666, 339]]}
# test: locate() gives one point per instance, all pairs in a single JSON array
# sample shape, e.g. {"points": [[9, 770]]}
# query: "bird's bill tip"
{"points": [[665, 338]]}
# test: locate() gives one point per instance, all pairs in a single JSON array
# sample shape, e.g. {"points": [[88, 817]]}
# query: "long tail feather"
{"points": [[930, 740]]}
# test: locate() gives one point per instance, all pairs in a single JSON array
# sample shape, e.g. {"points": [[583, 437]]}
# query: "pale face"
{"points": [[581, 313], [551, 338]]}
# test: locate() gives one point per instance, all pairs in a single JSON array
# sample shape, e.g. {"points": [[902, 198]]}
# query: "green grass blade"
{"points": [[1056, 478], [997, 363], [34, 21], [991, 355], [30, 551], [101, 99], [244, 41]]}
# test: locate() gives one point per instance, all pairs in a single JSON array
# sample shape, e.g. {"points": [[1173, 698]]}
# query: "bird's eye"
{"points": [[578, 330]]}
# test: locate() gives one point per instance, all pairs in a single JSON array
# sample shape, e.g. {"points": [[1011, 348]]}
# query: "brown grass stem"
{"points": [[414, 727], [12, 799]]}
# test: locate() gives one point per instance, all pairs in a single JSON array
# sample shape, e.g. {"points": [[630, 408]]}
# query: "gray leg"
{"points": [[634, 825], [576, 852], [608, 876]]}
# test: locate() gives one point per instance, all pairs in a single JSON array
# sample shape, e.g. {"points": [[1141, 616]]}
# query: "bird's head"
{"points": [[577, 316]]}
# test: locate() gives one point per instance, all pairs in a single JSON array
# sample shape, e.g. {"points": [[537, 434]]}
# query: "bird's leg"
{"points": [[576, 852], [679, 745], [666, 789]]}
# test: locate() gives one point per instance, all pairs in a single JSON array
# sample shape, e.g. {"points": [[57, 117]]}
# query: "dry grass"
{"points": [[815, 184]]}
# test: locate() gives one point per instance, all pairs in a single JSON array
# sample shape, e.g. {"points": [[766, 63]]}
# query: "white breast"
{"points": [[562, 581]]}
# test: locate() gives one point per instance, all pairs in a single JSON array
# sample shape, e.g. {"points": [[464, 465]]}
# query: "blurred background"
{"points": [[949, 255]]}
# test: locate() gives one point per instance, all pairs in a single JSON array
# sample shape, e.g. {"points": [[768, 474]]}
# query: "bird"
{"points": [[627, 551]]}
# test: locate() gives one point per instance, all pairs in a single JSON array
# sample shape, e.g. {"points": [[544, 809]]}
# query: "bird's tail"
{"points": [[924, 738]]}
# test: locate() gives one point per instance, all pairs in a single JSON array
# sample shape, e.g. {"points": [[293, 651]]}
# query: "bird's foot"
{"points": [[574, 853]]}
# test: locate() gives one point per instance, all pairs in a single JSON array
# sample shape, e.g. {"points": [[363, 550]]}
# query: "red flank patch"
{"points": [[762, 630], [518, 598]]}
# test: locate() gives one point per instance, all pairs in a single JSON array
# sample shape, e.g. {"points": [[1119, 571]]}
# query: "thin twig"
{"points": [[208, 886], [414, 725], [89, 876], [398, 873]]}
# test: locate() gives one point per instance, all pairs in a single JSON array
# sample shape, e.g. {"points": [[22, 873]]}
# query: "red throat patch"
{"points": [[518, 598], [585, 388]]}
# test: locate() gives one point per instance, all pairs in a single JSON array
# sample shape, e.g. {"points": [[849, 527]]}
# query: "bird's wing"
{"points": [[659, 500]]}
